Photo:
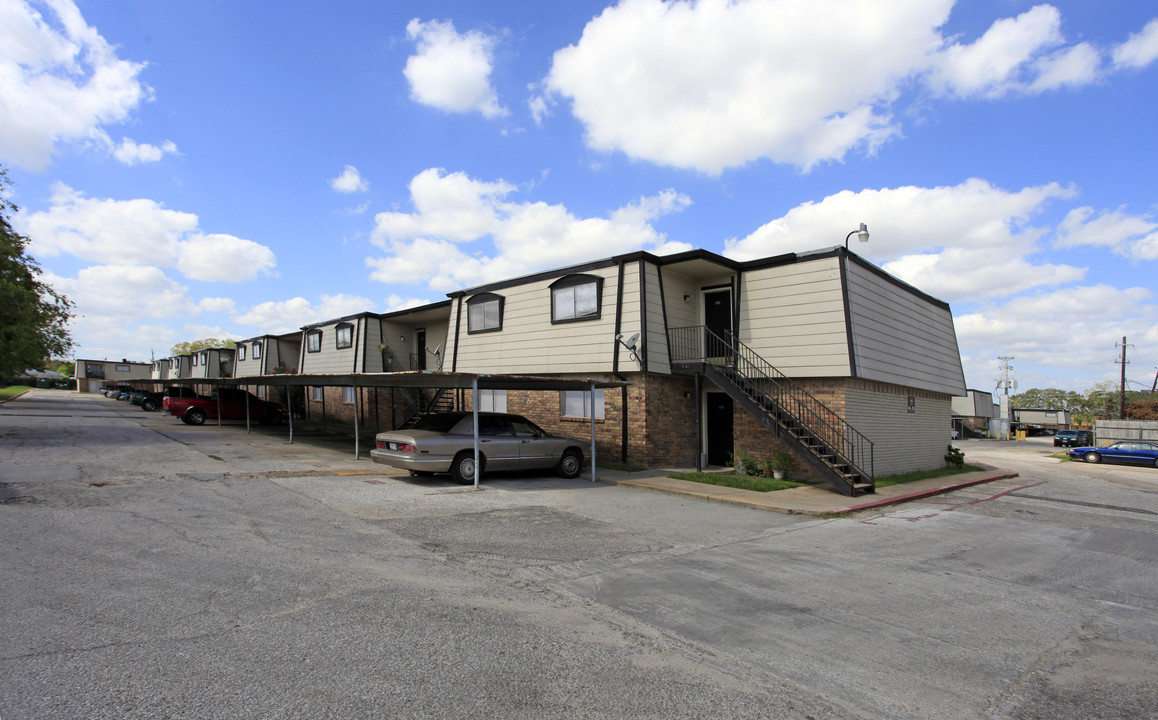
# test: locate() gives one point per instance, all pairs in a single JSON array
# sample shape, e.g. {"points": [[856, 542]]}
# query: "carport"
{"points": [[418, 379]]}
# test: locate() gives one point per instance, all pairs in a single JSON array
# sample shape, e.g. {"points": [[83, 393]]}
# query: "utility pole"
{"points": [[1122, 387], [1006, 410]]}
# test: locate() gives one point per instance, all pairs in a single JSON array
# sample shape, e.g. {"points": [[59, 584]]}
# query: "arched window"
{"points": [[576, 297]]}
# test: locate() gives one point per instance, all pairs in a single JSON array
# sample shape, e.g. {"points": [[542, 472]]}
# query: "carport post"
{"points": [[592, 432], [247, 430], [357, 450], [477, 465], [289, 403], [218, 405]]}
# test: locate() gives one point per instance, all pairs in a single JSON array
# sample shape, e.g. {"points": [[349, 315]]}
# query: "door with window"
{"points": [[420, 341]]}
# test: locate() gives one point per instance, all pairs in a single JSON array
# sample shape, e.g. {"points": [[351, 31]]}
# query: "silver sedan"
{"points": [[444, 442]]}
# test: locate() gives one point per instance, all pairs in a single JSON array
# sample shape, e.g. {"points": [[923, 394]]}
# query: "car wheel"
{"points": [[1092, 457], [148, 405], [570, 464], [195, 416], [462, 469]]}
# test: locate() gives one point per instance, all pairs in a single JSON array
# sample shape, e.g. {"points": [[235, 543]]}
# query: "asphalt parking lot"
{"points": [[157, 570]]}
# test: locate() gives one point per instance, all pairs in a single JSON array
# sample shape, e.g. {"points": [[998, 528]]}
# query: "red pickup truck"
{"points": [[195, 411]]}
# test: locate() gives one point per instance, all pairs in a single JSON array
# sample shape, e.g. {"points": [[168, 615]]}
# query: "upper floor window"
{"points": [[240, 353], [484, 313], [576, 297], [314, 341], [195, 359], [257, 351], [344, 335]]}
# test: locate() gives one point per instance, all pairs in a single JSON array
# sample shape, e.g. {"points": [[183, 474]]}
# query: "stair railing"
{"points": [[775, 391]]}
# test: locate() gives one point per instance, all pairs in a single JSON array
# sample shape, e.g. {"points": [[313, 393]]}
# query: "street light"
{"points": [[861, 234]]}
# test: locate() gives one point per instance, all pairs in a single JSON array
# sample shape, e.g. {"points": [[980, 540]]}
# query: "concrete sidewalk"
{"points": [[804, 500]]}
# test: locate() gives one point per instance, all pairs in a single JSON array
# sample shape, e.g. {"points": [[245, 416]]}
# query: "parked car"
{"points": [[444, 442], [234, 403], [1126, 452], [1073, 438], [150, 401]]}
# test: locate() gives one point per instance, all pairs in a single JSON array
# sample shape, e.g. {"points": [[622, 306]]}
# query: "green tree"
{"points": [[187, 348], [1047, 399], [33, 316]]}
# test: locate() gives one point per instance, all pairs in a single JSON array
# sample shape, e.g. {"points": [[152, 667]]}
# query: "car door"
{"points": [[498, 443], [1121, 452], [536, 450]]}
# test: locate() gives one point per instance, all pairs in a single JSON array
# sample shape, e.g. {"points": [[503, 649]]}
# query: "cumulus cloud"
{"points": [[140, 232], [452, 71], [711, 85], [223, 258], [130, 153], [434, 244], [283, 316], [1139, 50], [60, 82], [984, 242], [1074, 327], [350, 181], [128, 292], [1129, 235]]}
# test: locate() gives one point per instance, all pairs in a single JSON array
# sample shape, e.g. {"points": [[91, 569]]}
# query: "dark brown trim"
{"points": [[618, 320], [643, 315], [457, 335], [663, 313], [847, 316]]}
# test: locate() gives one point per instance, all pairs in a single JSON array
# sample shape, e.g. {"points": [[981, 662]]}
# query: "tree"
{"points": [[188, 348], [1047, 399], [33, 316]]}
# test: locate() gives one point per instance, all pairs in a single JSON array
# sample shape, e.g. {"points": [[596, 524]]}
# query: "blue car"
{"points": [[1127, 452]]}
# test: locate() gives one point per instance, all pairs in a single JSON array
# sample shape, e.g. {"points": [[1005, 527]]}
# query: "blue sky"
{"points": [[189, 169]]}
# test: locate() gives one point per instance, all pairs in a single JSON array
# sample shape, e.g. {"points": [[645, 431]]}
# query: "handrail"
{"points": [[699, 344]]}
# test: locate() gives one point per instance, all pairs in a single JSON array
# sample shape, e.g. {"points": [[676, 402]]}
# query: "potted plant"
{"points": [[780, 463]]}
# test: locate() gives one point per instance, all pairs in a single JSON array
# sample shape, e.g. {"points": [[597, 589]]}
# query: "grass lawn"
{"points": [[762, 484], [12, 391]]}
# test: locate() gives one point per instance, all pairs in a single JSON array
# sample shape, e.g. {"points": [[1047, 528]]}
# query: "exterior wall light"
{"points": [[861, 234]]}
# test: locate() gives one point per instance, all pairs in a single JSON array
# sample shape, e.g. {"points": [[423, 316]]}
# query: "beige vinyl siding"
{"points": [[680, 313], [436, 334], [288, 352], [793, 317], [330, 359], [367, 337], [530, 344], [900, 337], [658, 359]]}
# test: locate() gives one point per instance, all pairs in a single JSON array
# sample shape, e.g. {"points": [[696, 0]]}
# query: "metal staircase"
{"points": [[818, 435], [441, 401]]}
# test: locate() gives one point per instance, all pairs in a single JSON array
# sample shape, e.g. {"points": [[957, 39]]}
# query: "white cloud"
{"points": [[283, 316], [125, 292], [433, 244], [711, 85], [223, 258], [1139, 50], [108, 231], [141, 232], [130, 153], [350, 181], [955, 242], [397, 302], [1129, 235], [1071, 327], [60, 81], [450, 71]]}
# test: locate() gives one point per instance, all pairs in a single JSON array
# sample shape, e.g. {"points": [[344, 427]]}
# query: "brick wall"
{"points": [[904, 441]]}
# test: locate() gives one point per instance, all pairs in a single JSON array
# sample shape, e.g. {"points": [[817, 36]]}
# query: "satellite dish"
{"points": [[630, 344]]}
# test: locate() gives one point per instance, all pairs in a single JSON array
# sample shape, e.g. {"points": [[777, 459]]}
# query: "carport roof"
{"points": [[410, 378]]}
